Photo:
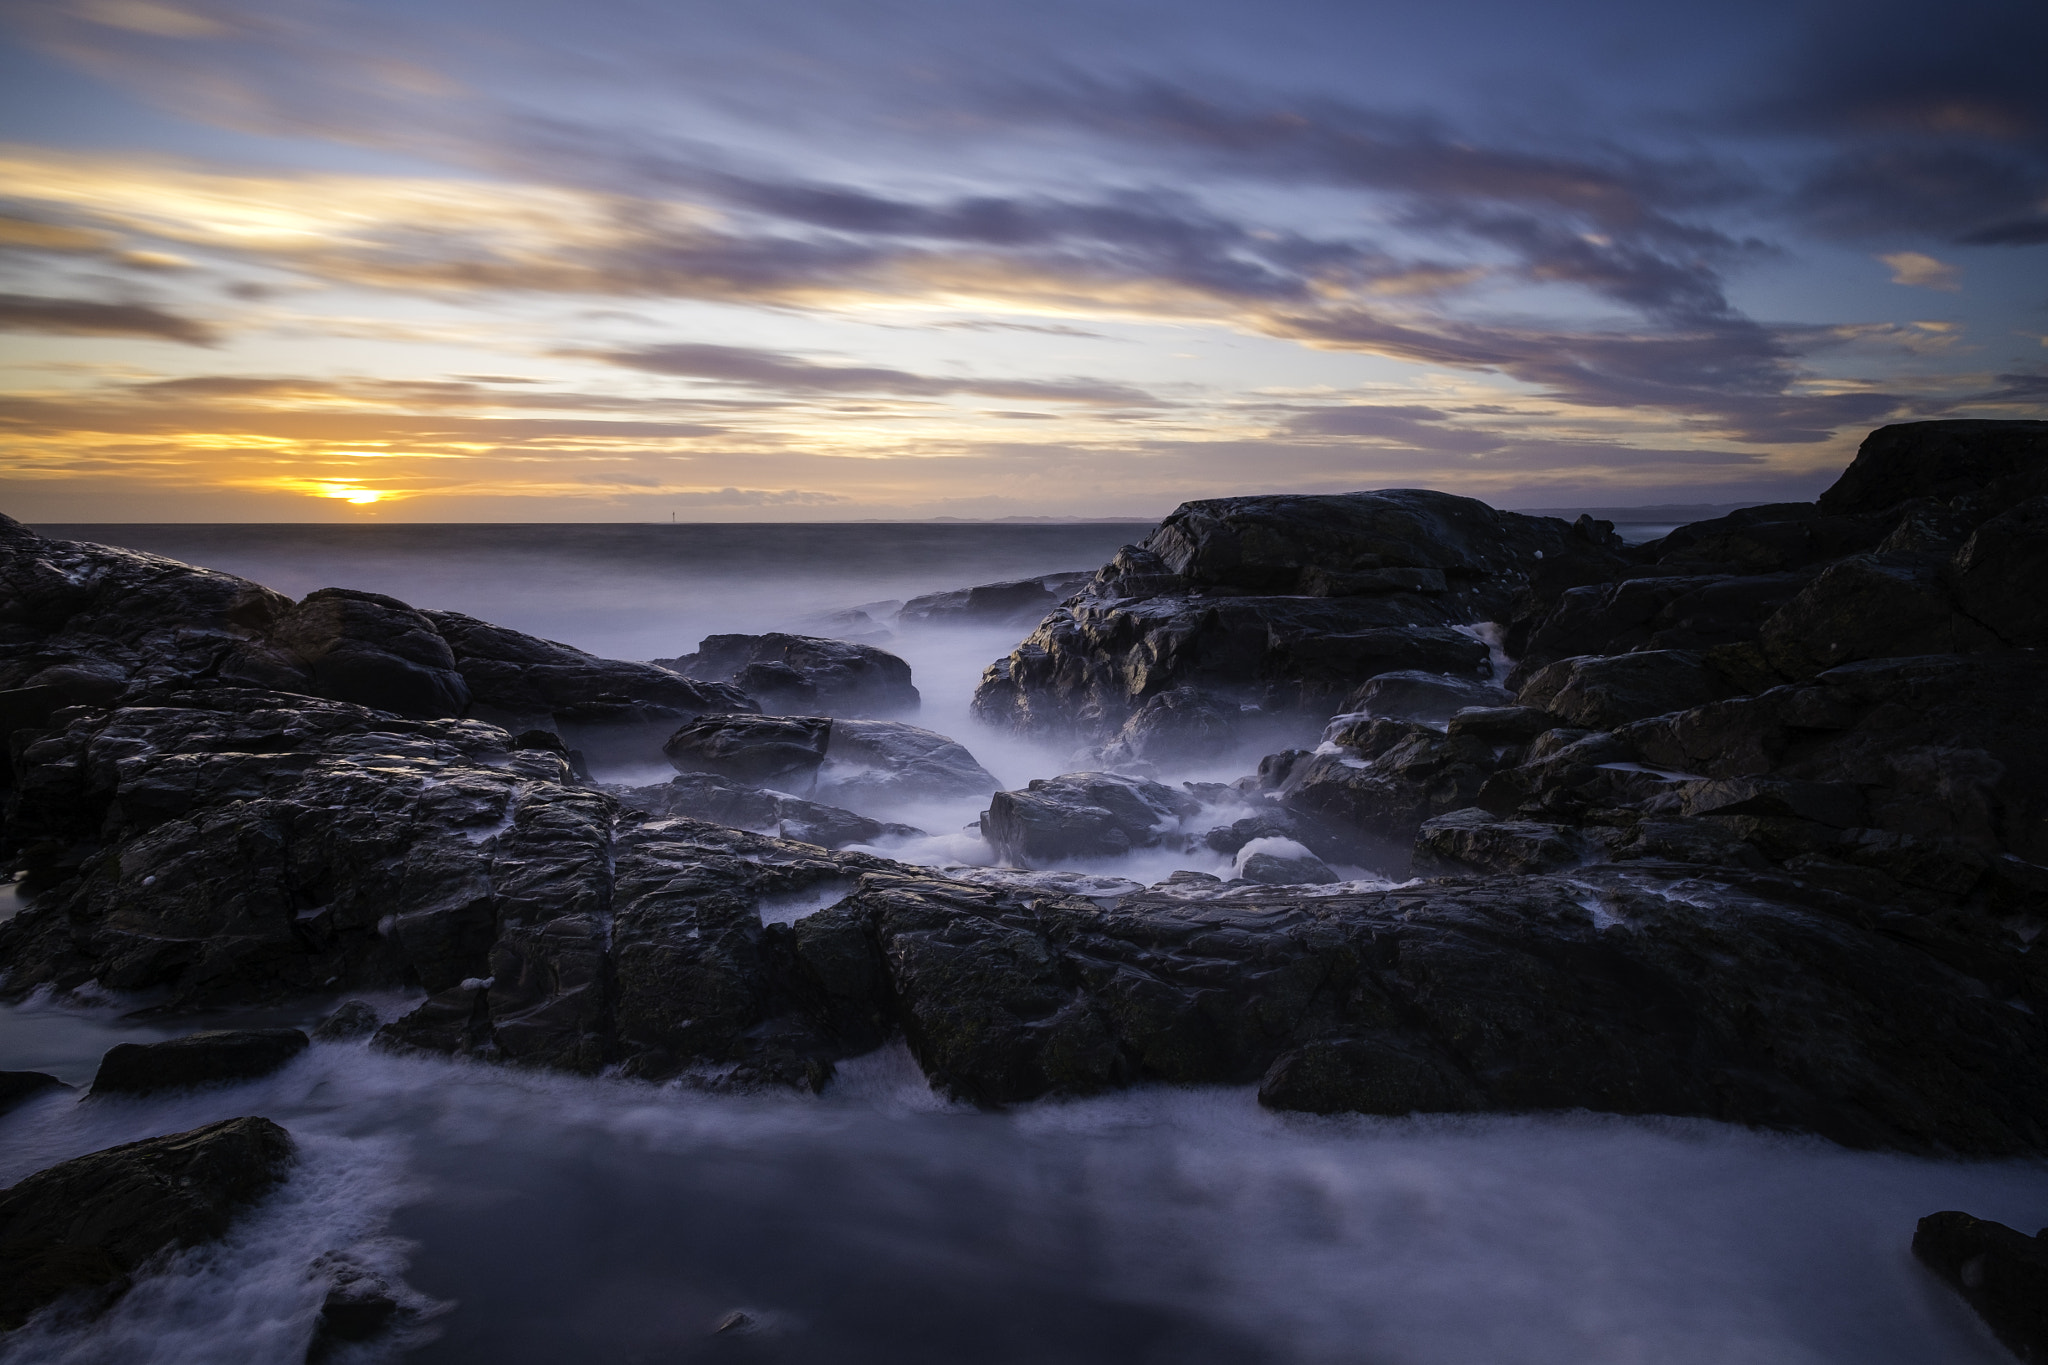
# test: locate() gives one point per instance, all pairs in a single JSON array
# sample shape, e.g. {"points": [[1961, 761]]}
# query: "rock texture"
{"points": [[85, 1226], [197, 1059], [2003, 1273], [805, 674], [1081, 815], [723, 801]]}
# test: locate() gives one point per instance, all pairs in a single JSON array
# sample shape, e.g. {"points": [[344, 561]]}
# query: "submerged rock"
{"points": [[197, 1059], [89, 1224], [805, 674]]}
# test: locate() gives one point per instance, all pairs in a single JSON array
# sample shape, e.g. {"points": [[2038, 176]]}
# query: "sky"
{"points": [[630, 260]]}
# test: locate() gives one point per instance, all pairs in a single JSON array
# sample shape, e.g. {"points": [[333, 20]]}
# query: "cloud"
{"points": [[82, 317], [774, 371], [1922, 271]]}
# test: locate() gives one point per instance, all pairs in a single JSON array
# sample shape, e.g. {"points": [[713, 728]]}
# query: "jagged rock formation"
{"points": [[1285, 604], [805, 674], [2002, 1272]]}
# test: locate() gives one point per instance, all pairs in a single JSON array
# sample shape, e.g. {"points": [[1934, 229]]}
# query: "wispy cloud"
{"points": [[83, 317]]}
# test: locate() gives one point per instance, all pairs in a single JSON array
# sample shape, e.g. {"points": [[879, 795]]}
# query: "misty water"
{"points": [[540, 1218]]}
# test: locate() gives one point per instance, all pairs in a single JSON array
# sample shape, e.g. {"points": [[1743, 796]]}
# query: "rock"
{"points": [[91, 1223], [1474, 840], [1217, 599], [805, 675], [887, 762], [1384, 1074], [359, 1305], [2001, 575], [1020, 602], [1870, 607], [1501, 724], [752, 748], [1942, 460], [1081, 815], [1674, 611], [354, 1019], [360, 647], [1282, 862], [613, 708], [1321, 582], [1179, 723], [1378, 780], [1410, 695], [197, 1059], [19, 1087], [1601, 693], [721, 800], [2003, 1274]]}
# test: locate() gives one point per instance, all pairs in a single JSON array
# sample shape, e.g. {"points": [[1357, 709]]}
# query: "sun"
{"points": [[360, 497]]}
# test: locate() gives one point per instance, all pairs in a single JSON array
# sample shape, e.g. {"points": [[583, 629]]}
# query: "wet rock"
{"points": [[1384, 1074], [197, 1059], [1474, 840], [805, 674], [1216, 599], [613, 708], [353, 1019], [1380, 779], [359, 1305], [890, 763], [1179, 723], [1673, 611], [1409, 695], [366, 648], [2003, 1274], [1870, 607], [724, 801], [19, 1087], [89, 1224], [1282, 862], [1502, 724], [1020, 602], [1322, 582], [1081, 815], [786, 749], [1603, 692]]}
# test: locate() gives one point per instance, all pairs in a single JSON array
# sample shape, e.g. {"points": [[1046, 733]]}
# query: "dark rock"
{"points": [[1301, 868], [1214, 600], [1385, 1074], [1695, 612], [2001, 574], [723, 801], [1942, 460], [1020, 602], [1321, 582], [752, 748], [1277, 823], [2003, 1273], [361, 647], [197, 1059], [1870, 607], [354, 1019], [1408, 695], [1380, 779], [1474, 840], [1772, 539], [359, 1305], [1081, 815], [89, 1224], [19, 1087], [891, 763], [613, 708], [1601, 693], [804, 674], [1502, 724], [1179, 723]]}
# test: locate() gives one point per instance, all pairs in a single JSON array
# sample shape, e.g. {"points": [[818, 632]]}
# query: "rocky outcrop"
{"points": [[2003, 1273], [197, 1059], [1020, 602], [1081, 815], [723, 801], [1430, 697], [783, 749], [84, 1227], [19, 1087], [805, 675], [360, 647], [1236, 597], [889, 763]]}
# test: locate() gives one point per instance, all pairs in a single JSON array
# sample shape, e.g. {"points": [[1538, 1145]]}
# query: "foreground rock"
{"points": [[199, 1059], [723, 801], [2003, 1274], [89, 1224], [1081, 815], [781, 749], [858, 762], [805, 675]]}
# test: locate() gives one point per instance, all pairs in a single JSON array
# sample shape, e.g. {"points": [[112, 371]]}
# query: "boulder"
{"points": [[1281, 862], [352, 1019], [886, 762], [785, 749], [1475, 840], [360, 647], [197, 1059], [723, 801], [1177, 724], [1081, 815], [2003, 1273], [612, 708], [805, 674], [1603, 692], [1429, 697], [1872, 606], [90, 1224], [1674, 611], [1501, 724], [19, 1087]]}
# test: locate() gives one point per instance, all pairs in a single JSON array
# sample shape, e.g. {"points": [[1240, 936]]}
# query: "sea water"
{"points": [[538, 1218]]}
